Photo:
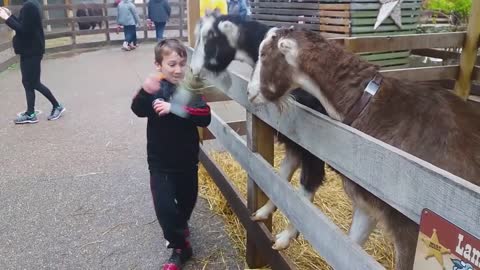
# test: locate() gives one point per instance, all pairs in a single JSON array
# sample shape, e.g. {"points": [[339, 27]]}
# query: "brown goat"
{"points": [[89, 10], [419, 118]]}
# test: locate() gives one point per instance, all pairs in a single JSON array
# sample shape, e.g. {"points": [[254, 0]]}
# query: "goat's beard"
{"points": [[215, 69], [285, 102]]}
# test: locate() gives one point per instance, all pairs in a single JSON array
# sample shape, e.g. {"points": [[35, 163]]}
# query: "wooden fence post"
{"points": [[193, 10], [260, 140], [107, 21], [181, 15], [46, 15], [145, 16], [69, 10], [469, 52]]}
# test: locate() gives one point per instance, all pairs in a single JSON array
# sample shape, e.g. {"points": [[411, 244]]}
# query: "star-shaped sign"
{"points": [[390, 8], [435, 249]]}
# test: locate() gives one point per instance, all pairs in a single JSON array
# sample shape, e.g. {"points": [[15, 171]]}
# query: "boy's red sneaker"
{"points": [[178, 258]]}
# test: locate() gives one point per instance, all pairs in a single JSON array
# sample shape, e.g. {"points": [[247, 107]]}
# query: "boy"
{"points": [[173, 146]]}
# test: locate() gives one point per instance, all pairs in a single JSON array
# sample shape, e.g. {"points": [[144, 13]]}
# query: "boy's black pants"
{"points": [[31, 69], [174, 197]]}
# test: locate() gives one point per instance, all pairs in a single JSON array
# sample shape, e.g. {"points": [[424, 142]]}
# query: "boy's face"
{"points": [[173, 67]]}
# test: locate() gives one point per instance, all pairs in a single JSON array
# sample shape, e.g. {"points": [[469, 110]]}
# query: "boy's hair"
{"points": [[167, 46]]}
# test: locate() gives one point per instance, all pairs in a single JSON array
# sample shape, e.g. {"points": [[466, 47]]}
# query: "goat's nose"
{"points": [[195, 69], [252, 97]]}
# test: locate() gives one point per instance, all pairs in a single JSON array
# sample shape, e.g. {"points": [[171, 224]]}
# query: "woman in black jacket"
{"points": [[29, 43]]}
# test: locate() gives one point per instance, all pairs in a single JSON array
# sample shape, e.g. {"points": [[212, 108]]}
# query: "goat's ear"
{"points": [[209, 13], [286, 46], [226, 27], [216, 13]]}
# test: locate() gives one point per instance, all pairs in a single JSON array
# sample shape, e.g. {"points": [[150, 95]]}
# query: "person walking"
{"points": [[29, 43], [129, 19], [238, 7], [159, 13]]}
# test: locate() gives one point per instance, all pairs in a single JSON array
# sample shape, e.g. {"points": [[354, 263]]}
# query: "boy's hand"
{"points": [[151, 84], [5, 13], [161, 107], [8, 11], [149, 24]]}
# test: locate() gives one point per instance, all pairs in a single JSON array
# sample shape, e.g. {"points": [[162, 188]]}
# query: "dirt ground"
{"points": [[75, 192]]}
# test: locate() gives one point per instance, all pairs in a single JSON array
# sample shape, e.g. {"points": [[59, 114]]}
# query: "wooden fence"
{"points": [[346, 149], [335, 17], [103, 36], [351, 152], [342, 18]]}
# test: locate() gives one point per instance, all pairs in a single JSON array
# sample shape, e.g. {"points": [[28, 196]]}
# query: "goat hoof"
{"points": [[262, 214], [284, 239], [281, 244], [259, 216]]}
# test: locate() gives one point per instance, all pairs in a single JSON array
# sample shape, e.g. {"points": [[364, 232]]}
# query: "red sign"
{"points": [[442, 245]]}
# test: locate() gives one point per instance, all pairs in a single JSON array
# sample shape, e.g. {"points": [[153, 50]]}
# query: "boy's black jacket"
{"points": [[172, 141]]}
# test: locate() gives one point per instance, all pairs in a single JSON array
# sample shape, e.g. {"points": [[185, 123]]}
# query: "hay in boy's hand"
{"points": [[194, 83], [190, 92], [183, 97]]}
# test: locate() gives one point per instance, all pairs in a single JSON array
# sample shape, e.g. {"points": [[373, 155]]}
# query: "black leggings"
{"points": [[174, 197], [30, 68]]}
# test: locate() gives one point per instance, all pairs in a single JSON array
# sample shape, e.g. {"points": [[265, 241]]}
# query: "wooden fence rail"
{"points": [[352, 153], [347, 150], [258, 230], [73, 32], [355, 155], [306, 217], [403, 42]]}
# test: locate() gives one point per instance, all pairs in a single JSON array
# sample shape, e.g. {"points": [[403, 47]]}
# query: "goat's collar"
{"points": [[372, 88]]}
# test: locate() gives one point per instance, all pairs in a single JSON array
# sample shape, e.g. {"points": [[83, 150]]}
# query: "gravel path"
{"points": [[75, 192]]}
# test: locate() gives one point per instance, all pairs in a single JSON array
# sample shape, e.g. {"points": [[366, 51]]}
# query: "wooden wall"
{"points": [[342, 18]]}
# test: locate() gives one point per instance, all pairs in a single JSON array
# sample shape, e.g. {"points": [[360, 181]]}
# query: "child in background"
{"points": [[172, 147], [159, 12], [129, 19]]}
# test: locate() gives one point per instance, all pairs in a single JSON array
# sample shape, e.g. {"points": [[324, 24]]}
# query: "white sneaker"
{"points": [[125, 46]]}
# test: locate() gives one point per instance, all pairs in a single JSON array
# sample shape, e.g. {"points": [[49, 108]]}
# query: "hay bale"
{"points": [[330, 198]]}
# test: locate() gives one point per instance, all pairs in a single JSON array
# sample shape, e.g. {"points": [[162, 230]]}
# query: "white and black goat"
{"points": [[219, 41]]}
